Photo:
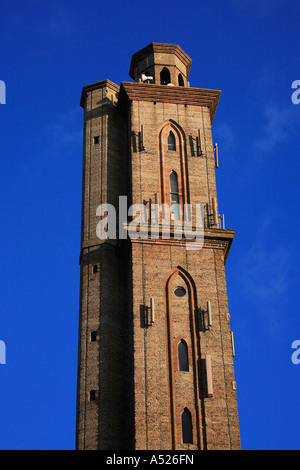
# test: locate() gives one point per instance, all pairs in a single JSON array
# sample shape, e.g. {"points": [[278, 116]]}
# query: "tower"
{"points": [[155, 360]]}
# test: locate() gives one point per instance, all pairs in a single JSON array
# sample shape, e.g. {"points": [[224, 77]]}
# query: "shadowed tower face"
{"points": [[155, 364]]}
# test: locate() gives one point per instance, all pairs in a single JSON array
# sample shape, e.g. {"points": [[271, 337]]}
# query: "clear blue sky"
{"points": [[49, 50]]}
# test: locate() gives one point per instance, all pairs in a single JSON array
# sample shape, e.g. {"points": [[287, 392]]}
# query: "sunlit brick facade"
{"points": [[155, 366]]}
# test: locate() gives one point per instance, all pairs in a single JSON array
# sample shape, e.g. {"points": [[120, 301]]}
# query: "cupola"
{"points": [[161, 64]]}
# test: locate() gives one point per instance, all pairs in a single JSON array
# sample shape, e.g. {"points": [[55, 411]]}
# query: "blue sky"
{"points": [[49, 50]]}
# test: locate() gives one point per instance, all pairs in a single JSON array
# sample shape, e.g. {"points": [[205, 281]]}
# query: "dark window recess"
{"points": [[180, 291], [95, 268], [174, 195], [96, 139], [93, 335], [92, 395], [165, 77], [180, 80], [187, 427], [183, 358], [171, 141]]}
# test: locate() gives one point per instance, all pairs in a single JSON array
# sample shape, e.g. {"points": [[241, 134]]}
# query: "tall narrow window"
{"points": [[180, 80], [187, 427], [171, 141], [174, 196], [183, 358], [165, 76], [93, 336]]}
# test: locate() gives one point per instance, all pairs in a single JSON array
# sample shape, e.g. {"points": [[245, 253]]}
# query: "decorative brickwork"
{"points": [[129, 358]]}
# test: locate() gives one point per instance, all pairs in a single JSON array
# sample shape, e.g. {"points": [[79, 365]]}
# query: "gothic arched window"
{"points": [[174, 195], [171, 141], [180, 80], [165, 77], [187, 427], [183, 358]]}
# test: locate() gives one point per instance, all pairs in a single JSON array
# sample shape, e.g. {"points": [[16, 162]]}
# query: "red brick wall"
{"points": [[132, 366]]}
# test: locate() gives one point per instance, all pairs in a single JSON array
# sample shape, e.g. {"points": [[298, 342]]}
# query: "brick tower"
{"points": [[155, 364]]}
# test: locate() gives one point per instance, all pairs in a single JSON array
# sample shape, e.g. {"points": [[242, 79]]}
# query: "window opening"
{"points": [[171, 141], [165, 77], [187, 428], [174, 196], [93, 335], [180, 291], [183, 358]]}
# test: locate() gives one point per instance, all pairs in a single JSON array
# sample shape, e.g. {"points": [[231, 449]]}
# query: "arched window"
{"points": [[183, 358], [174, 195], [180, 80], [165, 76], [171, 141], [187, 427]]}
